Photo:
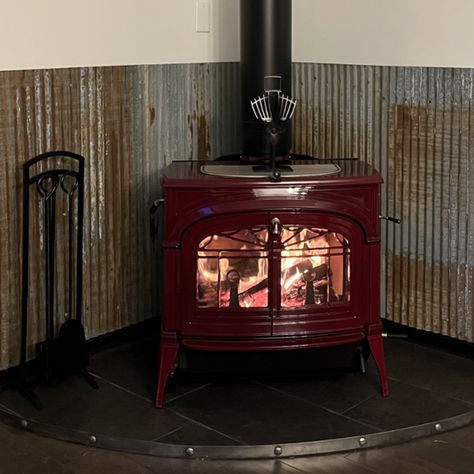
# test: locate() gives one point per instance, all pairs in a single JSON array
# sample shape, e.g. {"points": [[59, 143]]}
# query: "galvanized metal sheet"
{"points": [[129, 122], [413, 124]]}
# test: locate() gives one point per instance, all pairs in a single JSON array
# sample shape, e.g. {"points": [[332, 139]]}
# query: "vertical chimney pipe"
{"points": [[265, 43]]}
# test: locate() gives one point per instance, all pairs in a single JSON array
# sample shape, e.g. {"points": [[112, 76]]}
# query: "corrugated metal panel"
{"points": [[128, 122], [413, 124], [416, 126]]}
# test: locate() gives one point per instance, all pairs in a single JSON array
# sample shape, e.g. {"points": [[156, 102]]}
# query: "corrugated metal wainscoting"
{"points": [[416, 125], [413, 124], [129, 122]]}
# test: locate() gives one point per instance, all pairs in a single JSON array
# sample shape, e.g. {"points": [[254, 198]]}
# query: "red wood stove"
{"points": [[256, 265]]}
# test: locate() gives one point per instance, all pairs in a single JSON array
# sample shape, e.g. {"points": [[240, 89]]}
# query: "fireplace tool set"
{"points": [[55, 186]]}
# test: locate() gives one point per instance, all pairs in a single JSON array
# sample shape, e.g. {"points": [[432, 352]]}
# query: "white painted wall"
{"points": [[65, 33], [385, 32]]}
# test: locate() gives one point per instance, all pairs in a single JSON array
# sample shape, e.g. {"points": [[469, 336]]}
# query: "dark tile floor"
{"points": [[254, 407]]}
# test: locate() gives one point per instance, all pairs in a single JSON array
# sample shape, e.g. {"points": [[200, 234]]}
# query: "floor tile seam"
{"points": [[10, 411], [328, 410], [441, 351], [202, 425], [389, 377], [182, 395], [420, 387], [155, 440], [363, 401], [123, 389], [370, 397]]}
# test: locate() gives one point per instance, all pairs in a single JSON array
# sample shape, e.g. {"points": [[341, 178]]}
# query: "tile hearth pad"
{"points": [[253, 407]]}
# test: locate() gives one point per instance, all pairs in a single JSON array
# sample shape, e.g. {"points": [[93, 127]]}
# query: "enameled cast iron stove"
{"points": [[270, 257]]}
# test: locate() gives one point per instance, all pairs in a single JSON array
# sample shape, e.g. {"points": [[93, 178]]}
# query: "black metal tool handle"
{"points": [[70, 190], [47, 186]]}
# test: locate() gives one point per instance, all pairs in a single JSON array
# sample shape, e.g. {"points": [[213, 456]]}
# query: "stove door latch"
{"points": [[276, 226]]}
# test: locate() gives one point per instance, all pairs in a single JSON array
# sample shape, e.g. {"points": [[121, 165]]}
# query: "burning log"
{"points": [[316, 273]]}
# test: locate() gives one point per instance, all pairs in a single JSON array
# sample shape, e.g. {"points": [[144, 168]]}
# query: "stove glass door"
{"points": [[232, 269], [315, 267]]}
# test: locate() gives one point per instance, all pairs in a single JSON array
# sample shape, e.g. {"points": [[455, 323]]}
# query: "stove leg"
{"points": [[376, 347], [168, 355]]}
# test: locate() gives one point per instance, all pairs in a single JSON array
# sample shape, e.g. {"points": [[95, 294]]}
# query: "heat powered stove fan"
{"points": [[275, 109]]}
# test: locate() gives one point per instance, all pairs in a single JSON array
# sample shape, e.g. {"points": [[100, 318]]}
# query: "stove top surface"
{"points": [[249, 171], [232, 173]]}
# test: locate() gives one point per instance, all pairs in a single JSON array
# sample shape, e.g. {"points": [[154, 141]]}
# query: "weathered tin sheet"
{"points": [[128, 122], [416, 126], [413, 124]]}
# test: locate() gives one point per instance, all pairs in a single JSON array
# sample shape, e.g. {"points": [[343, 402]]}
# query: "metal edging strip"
{"points": [[267, 451]]}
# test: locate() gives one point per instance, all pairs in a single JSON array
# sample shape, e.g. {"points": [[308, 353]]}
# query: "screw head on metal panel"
{"points": [[438, 427], [362, 441], [24, 423], [189, 451], [278, 450], [92, 439]]}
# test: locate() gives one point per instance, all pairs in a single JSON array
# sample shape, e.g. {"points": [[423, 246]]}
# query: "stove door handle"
{"points": [[276, 226], [395, 220], [153, 222]]}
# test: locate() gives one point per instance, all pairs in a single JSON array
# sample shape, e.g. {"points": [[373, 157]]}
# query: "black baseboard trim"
{"points": [[152, 326], [430, 339], [128, 334], [105, 341]]}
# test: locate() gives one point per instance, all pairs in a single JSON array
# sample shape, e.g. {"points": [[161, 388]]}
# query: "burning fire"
{"points": [[233, 272]]}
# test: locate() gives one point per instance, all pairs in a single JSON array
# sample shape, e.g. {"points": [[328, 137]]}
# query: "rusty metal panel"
{"points": [[413, 124], [416, 126], [129, 122]]}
